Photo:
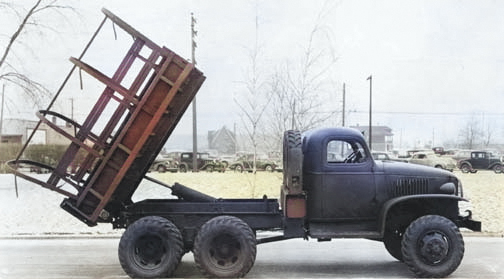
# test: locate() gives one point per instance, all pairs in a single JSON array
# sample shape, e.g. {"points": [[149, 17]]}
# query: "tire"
{"points": [[225, 247], [497, 168], [465, 168], [209, 168], [239, 168], [151, 247], [432, 246], [183, 168], [268, 168], [293, 161], [161, 168]]}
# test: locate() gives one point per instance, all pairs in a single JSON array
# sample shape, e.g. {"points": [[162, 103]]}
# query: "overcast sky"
{"points": [[435, 64]]}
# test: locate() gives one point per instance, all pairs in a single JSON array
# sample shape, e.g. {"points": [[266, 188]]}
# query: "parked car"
{"points": [[482, 160], [164, 164], [204, 162], [433, 160], [409, 153], [384, 156], [462, 155], [246, 163]]}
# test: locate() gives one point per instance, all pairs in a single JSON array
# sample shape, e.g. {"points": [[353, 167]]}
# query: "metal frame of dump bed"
{"points": [[117, 158]]}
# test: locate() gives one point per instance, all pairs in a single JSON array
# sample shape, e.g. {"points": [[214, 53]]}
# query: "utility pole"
{"points": [[194, 122], [344, 103], [370, 78], [72, 108]]}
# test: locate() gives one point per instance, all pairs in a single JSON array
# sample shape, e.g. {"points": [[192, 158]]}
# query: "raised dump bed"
{"points": [[113, 159]]}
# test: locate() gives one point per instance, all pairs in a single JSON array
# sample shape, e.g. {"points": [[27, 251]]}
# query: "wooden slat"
{"points": [[150, 127]]}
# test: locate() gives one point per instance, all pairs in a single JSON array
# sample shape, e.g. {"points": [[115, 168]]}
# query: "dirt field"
{"points": [[37, 211]]}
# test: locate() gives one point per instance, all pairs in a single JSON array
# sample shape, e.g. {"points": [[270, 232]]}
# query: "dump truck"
{"points": [[332, 187]]}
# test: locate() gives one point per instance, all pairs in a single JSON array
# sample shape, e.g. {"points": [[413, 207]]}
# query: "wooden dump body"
{"points": [[113, 161]]}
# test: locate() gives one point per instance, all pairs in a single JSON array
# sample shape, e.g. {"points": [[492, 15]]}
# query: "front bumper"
{"points": [[469, 223], [464, 219]]}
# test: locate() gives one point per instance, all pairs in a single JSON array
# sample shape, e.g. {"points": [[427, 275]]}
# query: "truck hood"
{"points": [[402, 179], [407, 169]]}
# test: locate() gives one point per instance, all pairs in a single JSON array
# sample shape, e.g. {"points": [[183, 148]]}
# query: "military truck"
{"points": [[332, 187]]}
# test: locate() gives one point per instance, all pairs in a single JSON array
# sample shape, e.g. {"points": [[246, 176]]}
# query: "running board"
{"points": [[335, 230]]}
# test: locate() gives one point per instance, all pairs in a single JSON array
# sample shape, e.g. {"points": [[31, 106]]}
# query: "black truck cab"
{"points": [[349, 194]]}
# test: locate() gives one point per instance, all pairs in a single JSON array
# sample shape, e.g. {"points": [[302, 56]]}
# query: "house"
{"points": [[222, 140], [18, 131], [382, 137]]}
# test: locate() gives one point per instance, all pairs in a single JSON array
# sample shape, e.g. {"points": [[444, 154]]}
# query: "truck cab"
{"points": [[349, 194]]}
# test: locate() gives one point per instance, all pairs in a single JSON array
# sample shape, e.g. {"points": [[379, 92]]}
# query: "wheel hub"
{"points": [[149, 250], [434, 248], [225, 250]]}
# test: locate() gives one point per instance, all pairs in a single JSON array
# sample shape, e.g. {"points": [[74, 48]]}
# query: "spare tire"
{"points": [[293, 162]]}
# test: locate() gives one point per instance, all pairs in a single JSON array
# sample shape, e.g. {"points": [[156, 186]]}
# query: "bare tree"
{"points": [[471, 134], [488, 134], [299, 101], [29, 20], [254, 100]]}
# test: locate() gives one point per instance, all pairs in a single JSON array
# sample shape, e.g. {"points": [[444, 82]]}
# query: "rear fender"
{"points": [[460, 163], [416, 199]]}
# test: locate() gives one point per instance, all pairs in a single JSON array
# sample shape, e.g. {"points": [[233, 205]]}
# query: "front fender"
{"points": [[403, 199]]}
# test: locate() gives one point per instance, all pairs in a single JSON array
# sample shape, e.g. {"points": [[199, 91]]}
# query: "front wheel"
{"points": [[225, 247], [432, 246], [183, 168], [150, 248], [161, 168]]}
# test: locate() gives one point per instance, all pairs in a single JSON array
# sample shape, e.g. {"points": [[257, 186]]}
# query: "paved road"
{"points": [[342, 258]]}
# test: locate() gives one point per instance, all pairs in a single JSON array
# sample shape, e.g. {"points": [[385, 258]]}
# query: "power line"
{"points": [[432, 113]]}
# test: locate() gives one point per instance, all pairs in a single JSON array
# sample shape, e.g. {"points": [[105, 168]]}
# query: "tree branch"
{"points": [[18, 31]]}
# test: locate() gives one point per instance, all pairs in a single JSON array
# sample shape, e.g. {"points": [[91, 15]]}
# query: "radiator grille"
{"points": [[409, 186]]}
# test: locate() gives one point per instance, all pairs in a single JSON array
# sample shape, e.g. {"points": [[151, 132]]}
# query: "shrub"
{"points": [[48, 154]]}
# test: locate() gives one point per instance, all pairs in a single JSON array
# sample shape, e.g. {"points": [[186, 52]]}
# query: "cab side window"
{"points": [[340, 151]]}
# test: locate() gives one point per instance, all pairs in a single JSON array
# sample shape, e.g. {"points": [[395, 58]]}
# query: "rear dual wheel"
{"points": [[151, 247], [225, 247]]}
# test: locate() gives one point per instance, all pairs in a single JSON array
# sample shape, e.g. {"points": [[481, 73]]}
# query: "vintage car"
{"points": [[164, 164], [433, 160], [246, 163], [384, 156], [481, 160], [203, 161]]}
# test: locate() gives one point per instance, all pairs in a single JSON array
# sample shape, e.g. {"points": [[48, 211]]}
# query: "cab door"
{"points": [[348, 182], [479, 160]]}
